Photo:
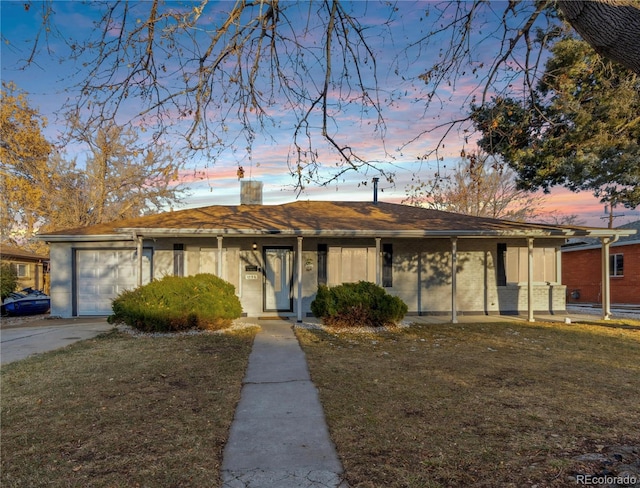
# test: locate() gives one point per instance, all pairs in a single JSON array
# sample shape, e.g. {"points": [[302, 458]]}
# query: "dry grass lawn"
{"points": [[482, 405], [120, 411]]}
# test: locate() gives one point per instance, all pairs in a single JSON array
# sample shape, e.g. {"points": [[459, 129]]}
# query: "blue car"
{"points": [[26, 302]]}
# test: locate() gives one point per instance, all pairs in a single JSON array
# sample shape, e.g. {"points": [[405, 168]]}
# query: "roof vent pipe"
{"points": [[375, 190]]}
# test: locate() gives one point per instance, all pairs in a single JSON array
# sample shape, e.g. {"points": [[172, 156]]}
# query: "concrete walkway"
{"points": [[279, 437]]}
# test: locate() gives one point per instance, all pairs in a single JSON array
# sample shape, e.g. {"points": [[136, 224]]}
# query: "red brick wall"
{"points": [[581, 270]]}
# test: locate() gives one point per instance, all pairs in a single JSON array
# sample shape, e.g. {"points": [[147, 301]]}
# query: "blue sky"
{"points": [[48, 83]]}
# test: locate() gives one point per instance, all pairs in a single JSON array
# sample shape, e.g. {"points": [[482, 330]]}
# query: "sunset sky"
{"points": [[48, 81]]}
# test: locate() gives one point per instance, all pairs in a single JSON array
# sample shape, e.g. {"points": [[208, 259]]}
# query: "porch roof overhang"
{"points": [[118, 237], [151, 232]]}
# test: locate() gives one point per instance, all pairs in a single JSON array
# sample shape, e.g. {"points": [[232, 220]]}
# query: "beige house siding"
{"points": [[421, 271], [422, 277]]}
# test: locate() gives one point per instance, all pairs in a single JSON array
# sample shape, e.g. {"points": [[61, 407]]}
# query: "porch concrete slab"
{"points": [[279, 437]]}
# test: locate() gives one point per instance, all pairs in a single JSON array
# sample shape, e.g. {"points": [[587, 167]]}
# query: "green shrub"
{"points": [[8, 280], [357, 304], [176, 303]]}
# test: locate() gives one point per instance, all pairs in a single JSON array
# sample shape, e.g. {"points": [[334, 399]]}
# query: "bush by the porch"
{"points": [[176, 303], [357, 304]]}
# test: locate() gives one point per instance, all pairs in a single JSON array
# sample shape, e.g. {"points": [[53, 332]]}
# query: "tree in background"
{"points": [[42, 191], [581, 130], [26, 179], [216, 74], [123, 179], [479, 185]]}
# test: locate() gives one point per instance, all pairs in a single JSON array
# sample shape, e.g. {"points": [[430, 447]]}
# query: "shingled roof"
{"points": [[11, 252], [318, 218]]}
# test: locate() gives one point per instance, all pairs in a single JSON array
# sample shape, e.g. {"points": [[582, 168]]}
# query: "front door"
{"points": [[278, 278]]}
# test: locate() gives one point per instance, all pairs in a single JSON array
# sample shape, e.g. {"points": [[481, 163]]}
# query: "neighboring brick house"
{"points": [[32, 269], [582, 269], [277, 255]]}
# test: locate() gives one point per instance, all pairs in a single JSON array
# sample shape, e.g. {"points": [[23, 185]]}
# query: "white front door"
{"points": [[278, 278]]}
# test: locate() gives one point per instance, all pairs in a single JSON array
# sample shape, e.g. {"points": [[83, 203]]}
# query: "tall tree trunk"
{"points": [[611, 27]]}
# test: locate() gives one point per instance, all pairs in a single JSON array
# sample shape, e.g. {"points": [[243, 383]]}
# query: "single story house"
{"points": [[32, 269], [581, 259], [277, 255]]}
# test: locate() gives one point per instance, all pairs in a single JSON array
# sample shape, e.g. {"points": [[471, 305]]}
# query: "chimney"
{"points": [[375, 190], [250, 192]]}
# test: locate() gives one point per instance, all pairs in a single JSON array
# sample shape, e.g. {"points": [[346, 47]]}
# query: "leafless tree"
{"points": [[218, 74], [480, 185]]}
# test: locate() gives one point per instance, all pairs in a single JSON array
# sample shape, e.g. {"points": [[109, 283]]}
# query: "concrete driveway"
{"points": [[20, 339]]}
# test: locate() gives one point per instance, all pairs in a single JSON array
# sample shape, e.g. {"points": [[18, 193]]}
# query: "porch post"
{"points": [[378, 261], [219, 238], [606, 290], [299, 303], [454, 266], [530, 280], [139, 249]]}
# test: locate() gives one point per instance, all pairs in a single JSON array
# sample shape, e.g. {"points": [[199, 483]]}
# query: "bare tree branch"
{"points": [[214, 77]]}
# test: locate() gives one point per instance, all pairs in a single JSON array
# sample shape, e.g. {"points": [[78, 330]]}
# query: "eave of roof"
{"points": [[586, 247], [14, 252], [155, 232]]}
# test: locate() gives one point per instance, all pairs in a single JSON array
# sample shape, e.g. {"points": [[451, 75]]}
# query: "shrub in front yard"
{"points": [[176, 303], [8, 280], [357, 304]]}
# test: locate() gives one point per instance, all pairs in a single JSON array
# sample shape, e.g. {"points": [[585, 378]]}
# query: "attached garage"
{"points": [[103, 274]]}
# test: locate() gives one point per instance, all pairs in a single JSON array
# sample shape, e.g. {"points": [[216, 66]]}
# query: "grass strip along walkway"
{"points": [[497, 404], [121, 411]]}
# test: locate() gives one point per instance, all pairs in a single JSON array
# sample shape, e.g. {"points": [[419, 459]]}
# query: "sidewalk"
{"points": [[279, 437]]}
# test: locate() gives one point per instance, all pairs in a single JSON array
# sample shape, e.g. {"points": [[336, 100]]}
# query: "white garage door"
{"points": [[104, 274]]}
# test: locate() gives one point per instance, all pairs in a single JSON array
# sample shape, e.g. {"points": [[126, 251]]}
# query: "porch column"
{"points": [[139, 249], [558, 265], [219, 238], [378, 280], [606, 290], [299, 306], [530, 280], [454, 266]]}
